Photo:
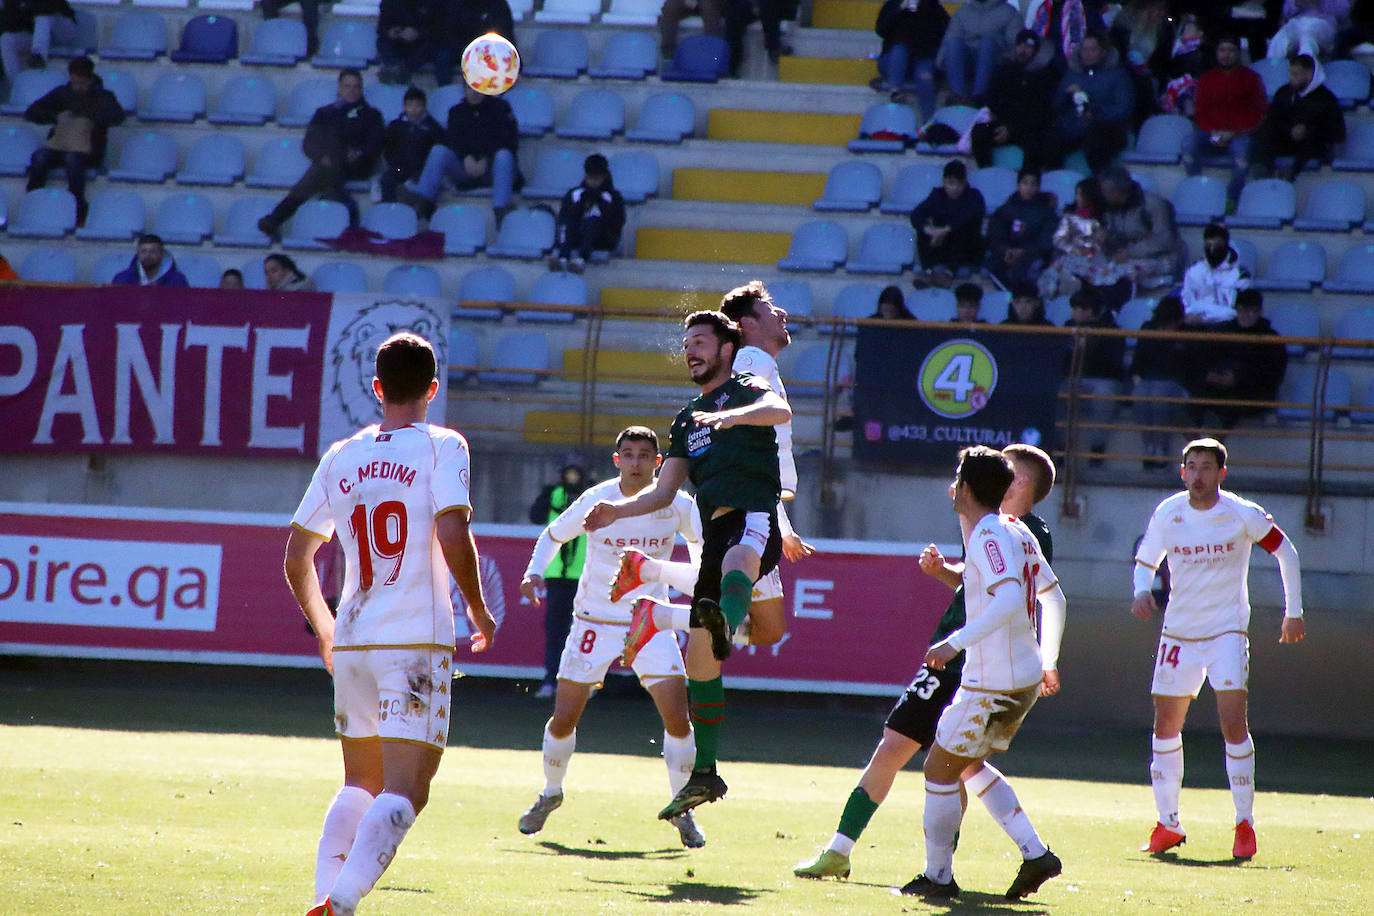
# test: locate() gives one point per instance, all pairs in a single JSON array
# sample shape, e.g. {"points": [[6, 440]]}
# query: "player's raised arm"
{"points": [[934, 564], [454, 533], [768, 410], [301, 547], [671, 475]]}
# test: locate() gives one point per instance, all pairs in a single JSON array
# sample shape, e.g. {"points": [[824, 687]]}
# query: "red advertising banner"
{"points": [[109, 582]]}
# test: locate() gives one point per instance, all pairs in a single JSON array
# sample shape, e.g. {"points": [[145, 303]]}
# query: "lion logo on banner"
{"points": [[354, 356]]}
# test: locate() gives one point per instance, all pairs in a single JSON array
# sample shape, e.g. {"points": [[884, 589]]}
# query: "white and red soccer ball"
{"points": [[491, 65]]}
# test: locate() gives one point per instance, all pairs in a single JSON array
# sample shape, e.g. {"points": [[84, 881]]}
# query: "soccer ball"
{"points": [[491, 65]]}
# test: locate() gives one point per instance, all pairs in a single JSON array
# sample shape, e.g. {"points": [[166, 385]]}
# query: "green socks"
{"points": [[857, 812], [706, 702], [736, 589]]}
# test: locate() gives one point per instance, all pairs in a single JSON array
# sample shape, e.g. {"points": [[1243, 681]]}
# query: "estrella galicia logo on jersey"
{"points": [[957, 378], [698, 440], [995, 560], [353, 359]]}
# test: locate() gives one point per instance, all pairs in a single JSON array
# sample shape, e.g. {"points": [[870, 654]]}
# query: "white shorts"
{"points": [[592, 648], [769, 587], [978, 722], [401, 694], [1182, 665]]}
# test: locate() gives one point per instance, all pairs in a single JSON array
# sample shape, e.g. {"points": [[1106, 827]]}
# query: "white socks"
{"points": [[557, 753], [1240, 769], [381, 830], [944, 812], [1000, 799], [1166, 778], [679, 754], [841, 844], [336, 837], [672, 616], [681, 576]]}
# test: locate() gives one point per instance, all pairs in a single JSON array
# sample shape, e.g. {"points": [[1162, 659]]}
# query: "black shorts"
{"points": [[721, 533], [918, 710]]}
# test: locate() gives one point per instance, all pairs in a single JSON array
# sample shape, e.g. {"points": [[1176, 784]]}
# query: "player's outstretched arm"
{"points": [[671, 476], [454, 533], [769, 410], [301, 547]]}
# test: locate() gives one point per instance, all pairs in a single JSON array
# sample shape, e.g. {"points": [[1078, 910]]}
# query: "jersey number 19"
{"points": [[381, 532]]}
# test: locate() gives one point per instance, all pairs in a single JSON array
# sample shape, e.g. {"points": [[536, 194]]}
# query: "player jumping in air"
{"points": [[1206, 534]]}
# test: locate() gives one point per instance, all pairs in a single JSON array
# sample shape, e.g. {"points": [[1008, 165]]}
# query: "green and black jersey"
{"points": [[735, 467]]}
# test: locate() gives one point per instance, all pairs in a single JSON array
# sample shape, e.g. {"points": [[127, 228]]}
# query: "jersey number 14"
{"points": [[381, 532]]}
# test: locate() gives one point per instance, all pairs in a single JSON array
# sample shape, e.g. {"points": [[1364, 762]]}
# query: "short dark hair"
{"points": [[80, 66], [968, 292], [1168, 308], [596, 164], [232, 272], [405, 367], [415, 92], [1083, 299], [1249, 298], [285, 262], [1025, 289], [1228, 39], [636, 434], [1305, 61], [1027, 173], [988, 474], [1215, 231], [1038, 462], [954, 169], [727, 331], [148, 238], [350, 71], [1210, 445], [741, 300]]}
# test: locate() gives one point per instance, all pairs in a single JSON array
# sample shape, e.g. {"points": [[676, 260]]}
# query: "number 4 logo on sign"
{"points": [[957, 378]]}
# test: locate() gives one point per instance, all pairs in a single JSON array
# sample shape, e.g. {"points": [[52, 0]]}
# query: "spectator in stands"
{"points": [[29, 27], [1026, 306], [1210, 286], [468, 19], [478, 150], [948, 226], [1021, 233], [1179, 71], [712, 21], [1143, 33], [1062, 24], [979, 33], [1159, 368], [1092, 107], [231, 279], [343, 142], [407, 142], [151, 265], [1308, 27], [1229, 107], [284, 276], [590, 217], [739, 14], [1103, 368], [1304, 121], [310, 18], [1239, 371], [1080, 257], [911, 31], [81, 112], [968, 302], [1141, 233], [411, 35], [892, 305], [1018, 102]]}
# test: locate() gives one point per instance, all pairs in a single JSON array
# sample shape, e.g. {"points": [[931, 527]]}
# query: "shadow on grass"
{"points": [[970, 902], [1169, 858], [607, 855], [696, 892]]}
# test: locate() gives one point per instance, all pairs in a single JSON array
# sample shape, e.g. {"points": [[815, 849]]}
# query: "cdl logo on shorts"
{"points": [[134, 584]]}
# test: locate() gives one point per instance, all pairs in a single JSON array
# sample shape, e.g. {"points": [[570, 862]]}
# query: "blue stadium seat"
{"points": [[1355, 323], [136, 35], [912, 185], [48, 213], [1274, 73], [818, 245], [280, 164], [555, 288], [1247, 255], [887, 248], [462, 352], [1010, 156], [208, 40], [636, 175], [215, 159], [28, 87], [464, 228], [1332, 206], [1062, 184], [851, 186], [83, 43], [1358, 155], [808, 373], [17, 143], [1348, 80], [1295, 266], [391, 221], [485, 284], [1365, 416], [201, 270], [1057, 310], [340, 276], [958, 118], [411, 280], [241, 223], [246, 100], [627, 56], [114, 215], [533, 108], [389, 99], [698, 59], [1163, 139], [995, 183], [1354, 272], [933, 304], [277, 43], [186, 219], [1266, 203], [1198, 200], [665, 117], [174, 96], [558, 54], [305, 98], [593, 114], [316, 219], [520, 358], [124, 86], [1299, 387], [857, 300], [555, 172], [48, 265], [1295, 319], [1135, 313], [568, 12], [444, 98], [885, 128], [524, 234], [347, 44], [253, 276], [633, 12], [107, 265]]}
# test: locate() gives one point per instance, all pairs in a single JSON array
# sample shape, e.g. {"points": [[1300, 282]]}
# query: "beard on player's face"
{"points": [[702, 367]]}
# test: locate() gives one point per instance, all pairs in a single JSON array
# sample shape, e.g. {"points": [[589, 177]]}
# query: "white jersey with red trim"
{"points": [[1001, 548], [757, 362], [1209, 561], [382, 491]]}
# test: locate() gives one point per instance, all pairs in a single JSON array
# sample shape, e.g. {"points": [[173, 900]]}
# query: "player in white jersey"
{"points": [[1206, 534], [398, 494], [1005, 669], [599, 624]]}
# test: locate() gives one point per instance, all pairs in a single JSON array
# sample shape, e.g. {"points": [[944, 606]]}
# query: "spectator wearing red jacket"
{"points": [[1230, 105]]}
